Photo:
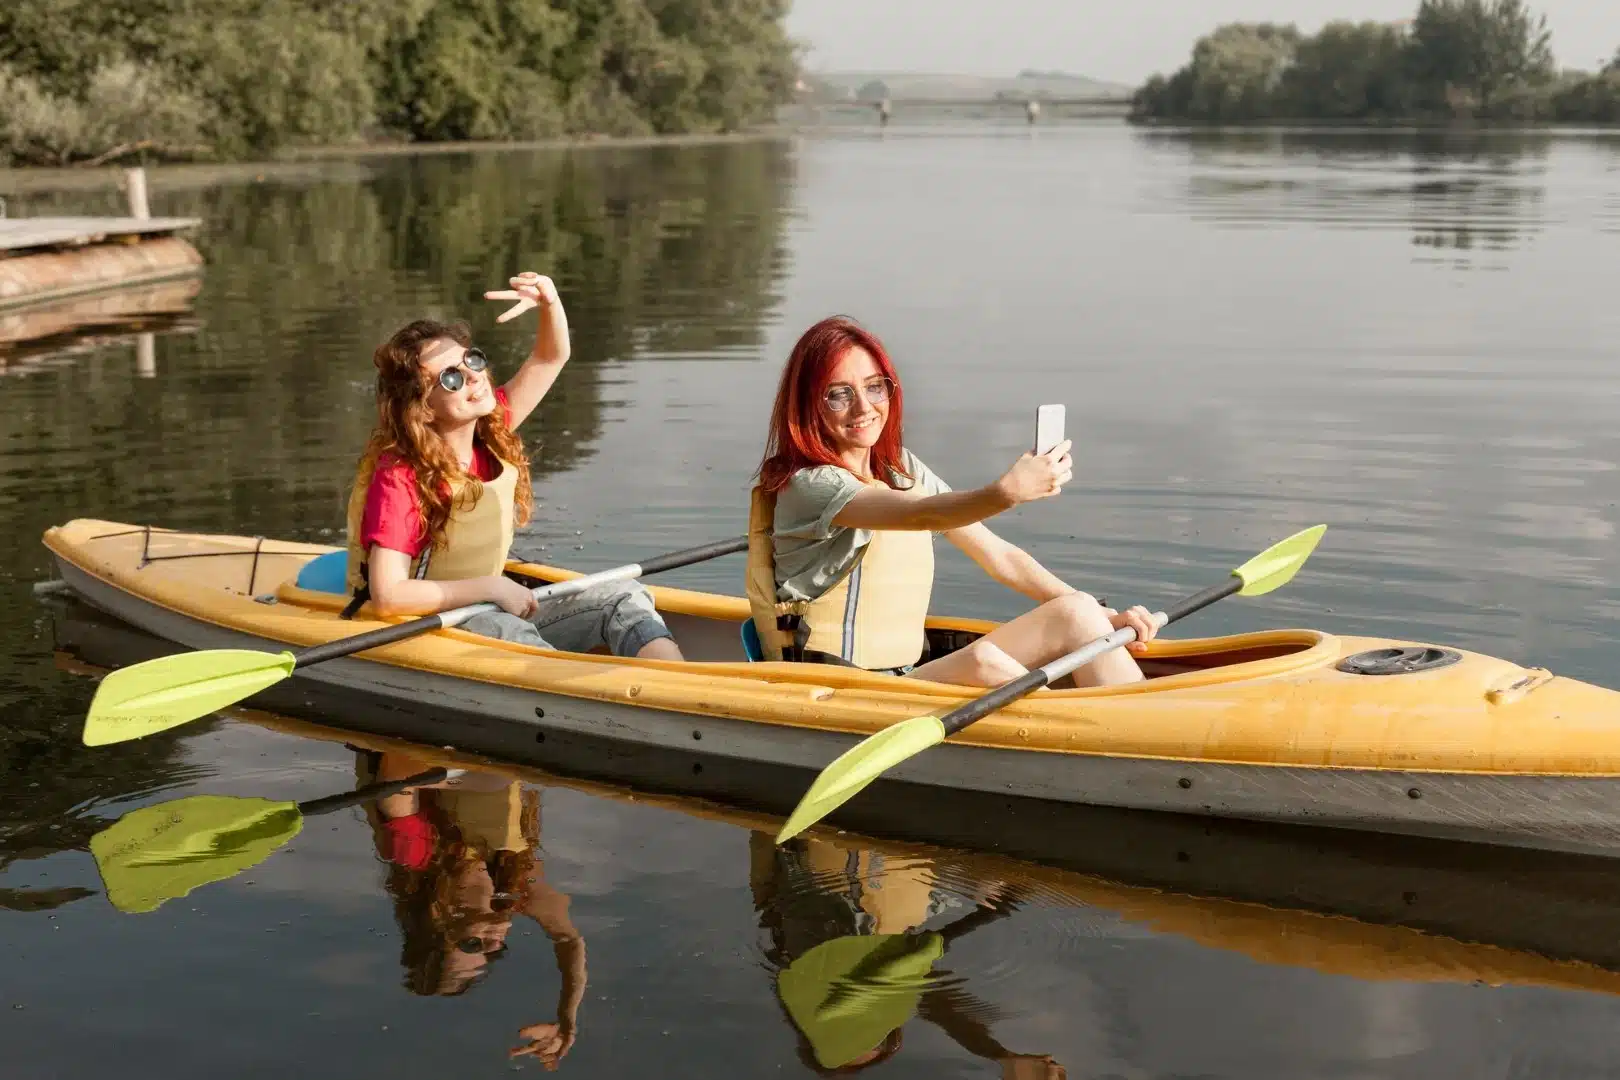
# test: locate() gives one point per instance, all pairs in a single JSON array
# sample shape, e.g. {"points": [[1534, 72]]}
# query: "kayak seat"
{"points": [[326, 573], [750, 642]]}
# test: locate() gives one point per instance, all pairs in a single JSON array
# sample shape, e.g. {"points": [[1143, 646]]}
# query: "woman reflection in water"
{"points": [[461, 864], [809, 892]]}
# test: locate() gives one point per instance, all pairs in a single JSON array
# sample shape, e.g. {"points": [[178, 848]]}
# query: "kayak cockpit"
{"points": [[706, 625]]}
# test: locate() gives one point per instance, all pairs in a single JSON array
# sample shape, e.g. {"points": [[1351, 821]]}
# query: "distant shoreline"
{"points": [[320, 160], [326, 161], [1461, 127]]}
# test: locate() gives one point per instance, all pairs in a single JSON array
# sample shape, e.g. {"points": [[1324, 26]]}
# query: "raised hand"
{"points": [[529, 289]]}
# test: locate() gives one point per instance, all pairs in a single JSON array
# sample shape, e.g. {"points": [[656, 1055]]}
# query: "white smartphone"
{"points": [[1048, 427]]}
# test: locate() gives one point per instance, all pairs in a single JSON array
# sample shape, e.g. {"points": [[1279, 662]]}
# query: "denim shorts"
{"points": [[618, 614]]}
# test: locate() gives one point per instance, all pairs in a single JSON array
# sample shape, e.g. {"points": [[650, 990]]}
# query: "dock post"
{"points": [[135, 183], [146, 355]]}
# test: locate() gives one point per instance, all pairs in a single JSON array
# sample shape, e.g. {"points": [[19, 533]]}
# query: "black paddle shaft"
{"points": [[387, 635], [1201, 600], [977, 709], [371, 639], [695, 555], [381, 789]]}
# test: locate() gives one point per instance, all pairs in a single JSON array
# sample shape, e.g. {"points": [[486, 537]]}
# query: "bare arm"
{"points": [[526, 389], [886, 508], [550, 1042], [397, 766], [1032, 476], [1008, 563], [395, 592]]}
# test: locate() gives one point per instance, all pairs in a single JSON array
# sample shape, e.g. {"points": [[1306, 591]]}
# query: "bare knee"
{"points": [[992, 666], [1080, 616], [980, 664]]}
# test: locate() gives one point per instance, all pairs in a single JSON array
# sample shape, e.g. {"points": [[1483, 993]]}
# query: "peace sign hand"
{"points": [[529, 289]]}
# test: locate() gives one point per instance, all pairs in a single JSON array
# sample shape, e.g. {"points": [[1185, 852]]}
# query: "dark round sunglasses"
{"points": [[452, 378]]}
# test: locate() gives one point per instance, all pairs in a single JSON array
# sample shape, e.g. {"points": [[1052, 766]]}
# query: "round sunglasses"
{"points": [[842, 396], [452, 378]]}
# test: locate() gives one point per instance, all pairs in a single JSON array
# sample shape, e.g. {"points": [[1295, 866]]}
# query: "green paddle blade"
{"points": [[1275, 567], [156, 695], [161, 852], [859, 766], [847, 994]]}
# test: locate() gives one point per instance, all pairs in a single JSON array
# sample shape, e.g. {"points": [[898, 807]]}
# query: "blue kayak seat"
{"points": [[750, 641], [327, 573]]}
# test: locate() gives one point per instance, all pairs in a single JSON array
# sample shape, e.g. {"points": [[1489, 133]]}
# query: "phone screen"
{"points": [[1048, 427]]}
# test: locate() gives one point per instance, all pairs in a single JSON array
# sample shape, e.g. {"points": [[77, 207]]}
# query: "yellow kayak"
{"points": [[1283, 725]]}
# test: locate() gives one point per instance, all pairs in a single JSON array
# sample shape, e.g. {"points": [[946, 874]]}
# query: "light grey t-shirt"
{"points": [[811, 552]]}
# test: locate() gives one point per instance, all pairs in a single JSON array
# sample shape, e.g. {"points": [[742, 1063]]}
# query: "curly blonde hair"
{"points": [[404, 429]]}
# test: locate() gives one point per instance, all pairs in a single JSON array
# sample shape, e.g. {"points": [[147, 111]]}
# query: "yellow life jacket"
{"points": [[489, 811], [477, 538], [872, 617]]}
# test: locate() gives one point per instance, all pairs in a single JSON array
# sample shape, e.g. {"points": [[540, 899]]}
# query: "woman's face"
{"points": [[452, 408], [855, 405]]}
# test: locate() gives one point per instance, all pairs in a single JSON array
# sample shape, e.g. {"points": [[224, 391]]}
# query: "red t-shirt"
{"points": [[393, 514], [410, 840]]}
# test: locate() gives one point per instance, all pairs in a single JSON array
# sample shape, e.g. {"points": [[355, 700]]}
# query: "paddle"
{"points": [[156, 695], [849, 992], [161, 852], [868, 759]]}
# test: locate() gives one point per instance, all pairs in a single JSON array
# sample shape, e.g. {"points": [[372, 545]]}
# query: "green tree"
{"points": [[1348, 71], [1467, 55], [278, 72], [1236, 71], [1588, 99]]}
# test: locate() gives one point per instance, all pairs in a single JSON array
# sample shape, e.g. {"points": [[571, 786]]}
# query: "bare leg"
{"points": [[1056, 627], [661, 649]]}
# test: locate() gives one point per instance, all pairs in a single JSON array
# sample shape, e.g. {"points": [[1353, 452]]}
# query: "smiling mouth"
{"points": [[861, 425]]}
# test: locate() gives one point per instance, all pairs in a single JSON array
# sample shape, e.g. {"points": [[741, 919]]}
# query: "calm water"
{"points": [[1410, 337]]}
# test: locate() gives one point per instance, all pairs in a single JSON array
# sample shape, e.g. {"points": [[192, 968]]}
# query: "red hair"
{"points": [[798, 437]]}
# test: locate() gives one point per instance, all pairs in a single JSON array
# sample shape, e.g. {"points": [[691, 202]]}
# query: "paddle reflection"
{"points": [[856, 941], [462, 865]]}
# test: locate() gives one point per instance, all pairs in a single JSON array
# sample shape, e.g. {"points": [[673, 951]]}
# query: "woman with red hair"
{"points": [[841, 558]]}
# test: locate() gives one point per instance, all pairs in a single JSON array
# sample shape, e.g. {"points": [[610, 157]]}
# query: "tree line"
{"points": [[1488, 60], [90, 80]]}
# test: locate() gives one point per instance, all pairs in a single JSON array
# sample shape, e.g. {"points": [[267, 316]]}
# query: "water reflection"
{"points": [[1458, 192], [1039, 948], [853, 962], [462, 864], [53, 782], [46, 335]]}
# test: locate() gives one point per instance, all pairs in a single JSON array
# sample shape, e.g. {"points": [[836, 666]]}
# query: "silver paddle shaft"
{"points": [[555, 591], [1093, 649]]}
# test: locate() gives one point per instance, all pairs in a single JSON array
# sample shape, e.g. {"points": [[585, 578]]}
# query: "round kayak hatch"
{"points": [[1402, 661]]}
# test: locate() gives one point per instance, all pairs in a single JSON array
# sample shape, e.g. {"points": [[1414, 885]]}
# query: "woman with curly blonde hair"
{"points": [[443, 485]]}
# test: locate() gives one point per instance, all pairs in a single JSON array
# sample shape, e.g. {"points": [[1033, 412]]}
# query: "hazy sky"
{"points": [[1119, 42]]}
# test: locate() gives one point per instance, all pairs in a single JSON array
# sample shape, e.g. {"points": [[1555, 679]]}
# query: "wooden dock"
{"points": [[43, 260], [46, 233], [48, 259]]}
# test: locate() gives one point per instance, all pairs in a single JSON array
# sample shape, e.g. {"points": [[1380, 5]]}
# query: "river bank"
{"points": [[327, 163]]}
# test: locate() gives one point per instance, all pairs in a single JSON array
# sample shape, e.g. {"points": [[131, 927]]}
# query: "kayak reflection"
{"points": [[461, 864], [853, 959]]}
